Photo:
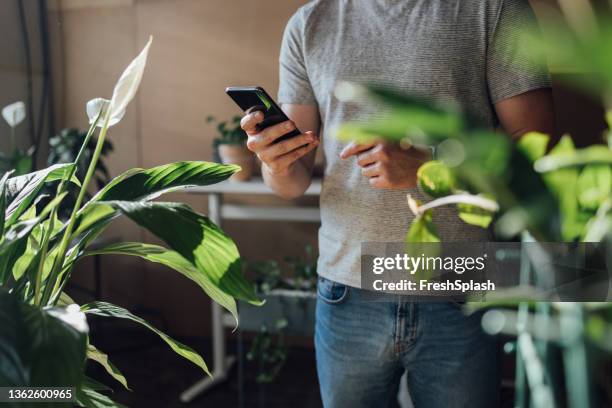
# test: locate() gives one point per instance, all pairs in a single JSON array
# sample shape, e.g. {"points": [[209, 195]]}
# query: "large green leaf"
{"points": [[28, 262], [534, 145], [90, 398], [563, 182], [110, 310], [14, 242], [526, 202], [22, 190], [195, 238], [95, 385], [3, 201], [146, 184], [591, 54], [13, 368], [594, 186], [40, 347], [597, 154], [172, 259], [101, 358], [488, 154], [94, 216], [8, 256], [474, 215], [599, 226], [609, 131], [31, 252], [22, 228], [421, 121], [422, 230]]}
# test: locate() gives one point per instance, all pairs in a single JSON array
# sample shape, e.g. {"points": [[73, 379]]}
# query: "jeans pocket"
{"points": [[331, 292]]}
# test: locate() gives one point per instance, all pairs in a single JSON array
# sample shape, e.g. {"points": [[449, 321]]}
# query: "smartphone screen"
{"points": [[250, 98]]}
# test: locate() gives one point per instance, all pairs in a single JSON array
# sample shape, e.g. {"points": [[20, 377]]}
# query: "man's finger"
{"points": [[354, 148], [378, 182], [367, 158], [249, 122], [286, 146], [371, 171], [270, 134], [287, 159]]}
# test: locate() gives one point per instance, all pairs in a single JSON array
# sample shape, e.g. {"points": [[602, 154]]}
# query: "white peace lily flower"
{"points": [[14, 113], [124, 91], [72, 316], [128, 83], [97, 105]]}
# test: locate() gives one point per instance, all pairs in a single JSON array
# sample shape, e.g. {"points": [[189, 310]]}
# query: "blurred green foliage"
{"points": [[544, 193]]}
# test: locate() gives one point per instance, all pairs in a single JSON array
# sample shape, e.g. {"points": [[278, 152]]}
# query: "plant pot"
{"points": [[296, 306], [238, 154]]}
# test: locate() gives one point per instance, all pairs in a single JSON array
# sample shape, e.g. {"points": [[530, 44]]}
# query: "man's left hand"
{"points": [[386, 165]]}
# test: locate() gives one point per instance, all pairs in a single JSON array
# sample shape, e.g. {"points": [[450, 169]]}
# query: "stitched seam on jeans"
{"points": [[411, 318], [414, 322], [335, 301], [399, 328]]}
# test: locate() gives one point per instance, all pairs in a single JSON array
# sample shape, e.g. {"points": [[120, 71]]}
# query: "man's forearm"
{"points": [[290, 184]]}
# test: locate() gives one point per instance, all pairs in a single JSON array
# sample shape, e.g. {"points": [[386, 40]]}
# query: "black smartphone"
{"points": [[254, 98]]}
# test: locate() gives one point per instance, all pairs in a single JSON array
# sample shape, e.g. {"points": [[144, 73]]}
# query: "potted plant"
{"points": [[230, 146], [44, 336], [530, 192], [269, 351], [290, 301], [289, 292]]}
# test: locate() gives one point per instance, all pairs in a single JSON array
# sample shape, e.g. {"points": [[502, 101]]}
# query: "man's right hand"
{"points": [[279, 157]]}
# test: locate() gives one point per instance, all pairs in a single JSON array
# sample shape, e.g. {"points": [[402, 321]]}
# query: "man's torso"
{"points": [[431, 48]]}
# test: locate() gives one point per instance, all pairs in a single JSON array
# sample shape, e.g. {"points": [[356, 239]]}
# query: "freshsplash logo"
{"points": [[423, 263]]}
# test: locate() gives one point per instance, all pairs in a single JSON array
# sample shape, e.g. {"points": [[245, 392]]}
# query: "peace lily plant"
{"points": [[44, 337]]}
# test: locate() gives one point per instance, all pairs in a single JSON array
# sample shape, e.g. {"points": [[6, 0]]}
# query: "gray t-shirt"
{"points": [[461, 51]]}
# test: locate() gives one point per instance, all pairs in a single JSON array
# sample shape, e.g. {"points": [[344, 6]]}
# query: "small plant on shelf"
{"points": [[303, 270], [297, 273], [289, 290], [267, 275], [269, 351], [230, 147]]}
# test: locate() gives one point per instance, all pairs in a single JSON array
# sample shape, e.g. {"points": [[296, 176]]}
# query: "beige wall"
{"points": [[199, 48]]}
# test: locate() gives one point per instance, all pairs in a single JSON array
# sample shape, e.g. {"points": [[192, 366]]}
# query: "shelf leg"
{"points": [[221, 362]]}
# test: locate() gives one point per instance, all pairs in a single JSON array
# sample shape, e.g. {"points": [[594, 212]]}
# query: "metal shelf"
{"points": [[218, 211], [254, 186], [252, 213]]}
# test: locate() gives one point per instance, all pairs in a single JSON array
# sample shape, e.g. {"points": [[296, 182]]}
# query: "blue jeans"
{"points": [[364, 346]]}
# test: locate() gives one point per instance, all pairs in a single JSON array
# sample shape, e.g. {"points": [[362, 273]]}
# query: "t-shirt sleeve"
{"points": [[294, 84], [512, 67]]}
